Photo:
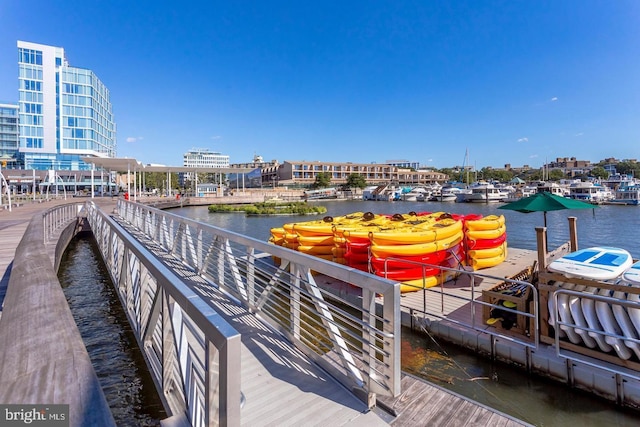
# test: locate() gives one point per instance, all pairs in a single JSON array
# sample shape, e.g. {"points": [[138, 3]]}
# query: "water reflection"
{"points": [[105, 330]]}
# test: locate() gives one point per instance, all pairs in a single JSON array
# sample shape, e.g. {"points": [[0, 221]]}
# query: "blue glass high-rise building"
{"points": [[65, 112]]}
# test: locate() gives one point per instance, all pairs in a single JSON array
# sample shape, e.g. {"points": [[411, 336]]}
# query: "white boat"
{"points": [[590, 192], [446, 194], [484, 193], [320, 194], [416, 194], [626, 195], [553, 188], [519, 193], [596, 263]]}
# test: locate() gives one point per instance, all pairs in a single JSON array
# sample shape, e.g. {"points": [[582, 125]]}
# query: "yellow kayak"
{"points": [[402, 236], [319, 239], [490, 222], [486, 234], [427, 282], [480, 263], [386, 251], [316, 249], [488, 253]]}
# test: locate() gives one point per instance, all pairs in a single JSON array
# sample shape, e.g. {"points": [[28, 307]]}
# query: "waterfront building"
{"points": [[403, 164], [201, 158], [303, 173], [9, 135], [65, 112], [570, 166]]}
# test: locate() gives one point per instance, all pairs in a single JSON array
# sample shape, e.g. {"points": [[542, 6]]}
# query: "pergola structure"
{"points": [[122, 164]]}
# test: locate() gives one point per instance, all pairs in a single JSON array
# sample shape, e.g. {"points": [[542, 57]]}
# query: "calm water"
{"points": [[536, 400], [105, 330], [604, 225]]}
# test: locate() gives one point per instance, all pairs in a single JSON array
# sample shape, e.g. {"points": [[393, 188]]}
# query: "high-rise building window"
{"points": [[65, 112]]}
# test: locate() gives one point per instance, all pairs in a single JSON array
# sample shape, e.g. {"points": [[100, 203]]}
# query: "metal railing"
{"points": [[193, 353], [357, 343], [473, 304], [613, 339], [58, 217]]}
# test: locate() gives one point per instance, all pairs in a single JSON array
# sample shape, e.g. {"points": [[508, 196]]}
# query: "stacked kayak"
{"points": [[486, 241], [408, 248]]}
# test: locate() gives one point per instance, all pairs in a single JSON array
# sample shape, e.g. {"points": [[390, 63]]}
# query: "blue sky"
{"points": [[363, 81]]}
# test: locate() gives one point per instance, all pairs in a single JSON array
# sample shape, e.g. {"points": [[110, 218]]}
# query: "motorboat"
{"points": [[519, 193], [553, 188], [484, 193], [626, 195], [416, 194], [590, 192], [446, 194]]}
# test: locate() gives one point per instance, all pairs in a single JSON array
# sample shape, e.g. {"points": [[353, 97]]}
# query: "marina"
{"points": [[595, 225]]}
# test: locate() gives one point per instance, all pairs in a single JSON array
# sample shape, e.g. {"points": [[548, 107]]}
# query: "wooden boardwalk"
{"points": [[12, 227]]}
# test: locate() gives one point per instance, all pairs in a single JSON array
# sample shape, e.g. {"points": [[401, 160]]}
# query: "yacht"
{"points": [[519, 193], [590, 192], [626, 195], [484, 193], [416, 194], [447, 194], [553, 188]]}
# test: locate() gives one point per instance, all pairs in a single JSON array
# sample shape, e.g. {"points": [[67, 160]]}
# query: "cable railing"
{"points": [[193, 354], [358, 343], [435, 302]]}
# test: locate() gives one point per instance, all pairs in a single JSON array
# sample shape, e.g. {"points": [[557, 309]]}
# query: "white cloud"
{"points": [[554, 99], [134, 138], [533, 156], [216, 137], [579, 134], [525, 139]]}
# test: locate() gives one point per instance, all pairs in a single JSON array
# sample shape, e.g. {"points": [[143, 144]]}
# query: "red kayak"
{"points": [[400, 262], [485, 243]]}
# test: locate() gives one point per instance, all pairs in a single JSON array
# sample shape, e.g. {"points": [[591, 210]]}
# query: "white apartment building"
{"points": [[202, 158], [65, 112]]}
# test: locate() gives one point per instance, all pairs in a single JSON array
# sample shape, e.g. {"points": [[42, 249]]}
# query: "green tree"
{"points": [[599, 172], [496, 174], [323, 179], [355, 180], [628, 168], [556, 175]]}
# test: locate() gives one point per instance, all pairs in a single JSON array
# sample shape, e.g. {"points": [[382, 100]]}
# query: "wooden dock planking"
{"points": [[424, 404], [450, 306]]}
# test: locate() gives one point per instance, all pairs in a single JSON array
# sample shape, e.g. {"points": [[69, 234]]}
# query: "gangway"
{"points": [[302, 355]]}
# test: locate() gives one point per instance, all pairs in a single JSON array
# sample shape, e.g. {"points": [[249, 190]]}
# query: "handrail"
{"points": [[473, 302], [357, 343], [193, 354], [43, 357], [559, 323], [59, 216]]}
